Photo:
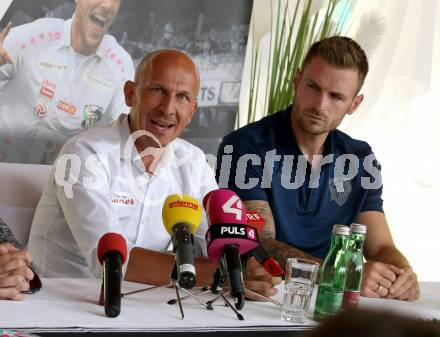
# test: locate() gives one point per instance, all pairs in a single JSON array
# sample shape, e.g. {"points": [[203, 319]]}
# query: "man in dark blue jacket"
{"points": [[303, 175]]}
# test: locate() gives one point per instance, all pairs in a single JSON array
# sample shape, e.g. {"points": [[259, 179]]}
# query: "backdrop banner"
{"points": [[59, 79]]}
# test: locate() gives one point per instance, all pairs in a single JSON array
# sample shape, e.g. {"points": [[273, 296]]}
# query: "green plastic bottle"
{"points": [[333, 275], [355, 266]]}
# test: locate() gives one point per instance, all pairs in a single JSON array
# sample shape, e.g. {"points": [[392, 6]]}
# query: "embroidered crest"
{"points": [[340, 189]]}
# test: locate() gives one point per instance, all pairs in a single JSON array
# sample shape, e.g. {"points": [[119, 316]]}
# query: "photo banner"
{"points": [[49, 92]]}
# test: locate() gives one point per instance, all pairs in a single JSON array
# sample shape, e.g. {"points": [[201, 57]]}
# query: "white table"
{"points": [[71, 305]]}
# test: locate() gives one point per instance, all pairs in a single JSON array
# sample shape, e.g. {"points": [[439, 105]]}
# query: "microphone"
{"points": [[182, 216], [112, 252], [261, 255], [229, 236], [268, 262]]}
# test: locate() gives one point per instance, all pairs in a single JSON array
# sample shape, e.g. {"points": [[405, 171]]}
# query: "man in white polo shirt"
{"points": [[58, 78], [115, 178]]}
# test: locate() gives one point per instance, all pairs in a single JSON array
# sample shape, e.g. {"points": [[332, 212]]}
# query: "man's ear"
{"points": [[196, 106], [129, 92], [355, 104]]}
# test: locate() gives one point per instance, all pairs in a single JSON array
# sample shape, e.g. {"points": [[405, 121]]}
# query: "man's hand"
{"points": [[378, 279], [389, 281], [15, 273], [259, 280], [406, 286], [5, 57]]}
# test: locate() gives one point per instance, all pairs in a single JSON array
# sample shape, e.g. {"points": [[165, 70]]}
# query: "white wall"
{"points": [[400, 119], [4, 4]]}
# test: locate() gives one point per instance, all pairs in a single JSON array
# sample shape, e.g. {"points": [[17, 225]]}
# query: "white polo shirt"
{"points": [[108, 190], [51, 93]]}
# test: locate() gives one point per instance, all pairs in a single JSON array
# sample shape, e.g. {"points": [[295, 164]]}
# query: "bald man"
{"points": [[115, 178]]}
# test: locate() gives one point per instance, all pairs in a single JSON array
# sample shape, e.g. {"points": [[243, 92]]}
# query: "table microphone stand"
{"points": [[218, 281], [215, 288], [175, 284]]}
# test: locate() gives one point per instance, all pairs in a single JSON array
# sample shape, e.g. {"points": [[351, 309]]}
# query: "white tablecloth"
{"points": [[71, 305]]}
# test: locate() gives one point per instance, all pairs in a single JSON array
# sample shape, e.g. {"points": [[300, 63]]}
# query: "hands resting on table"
{"points": [[388, 281], [380, 279], [15, 273]]}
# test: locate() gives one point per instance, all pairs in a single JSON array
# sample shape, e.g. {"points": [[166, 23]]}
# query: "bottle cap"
{"points": [[341, 230], [358, 228]]}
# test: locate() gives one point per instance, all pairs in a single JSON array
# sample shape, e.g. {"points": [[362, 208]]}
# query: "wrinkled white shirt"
{"points": [[109, 191]]}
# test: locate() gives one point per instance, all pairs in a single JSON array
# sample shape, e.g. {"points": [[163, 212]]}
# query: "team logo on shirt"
{"points": [[340, 189], [46, 94], [91, 114], [40, 110]]}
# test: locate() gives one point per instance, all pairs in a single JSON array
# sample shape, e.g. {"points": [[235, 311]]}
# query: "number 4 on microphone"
{"points": [[228, 206]]}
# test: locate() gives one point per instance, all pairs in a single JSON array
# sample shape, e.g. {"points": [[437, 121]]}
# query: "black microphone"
{"points": [[232, 264], [228, 237], [112, 252]]}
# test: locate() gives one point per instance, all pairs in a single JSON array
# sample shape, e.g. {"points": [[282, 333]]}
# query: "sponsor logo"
{"points": [[253, 217], [233, 230], [122, 199], [69, 108], [53, 66], [182, 203], [99, 83], [47, 89], [44, 91]]}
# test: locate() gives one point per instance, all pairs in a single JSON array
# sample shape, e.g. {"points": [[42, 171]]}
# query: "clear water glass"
{"points": [[298, 288]]}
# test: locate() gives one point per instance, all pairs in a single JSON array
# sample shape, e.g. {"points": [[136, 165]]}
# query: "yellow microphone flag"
{"points": [[179, 208]]}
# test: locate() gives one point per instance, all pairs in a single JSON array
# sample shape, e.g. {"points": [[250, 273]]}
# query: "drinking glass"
{"points": [[298, 289]]}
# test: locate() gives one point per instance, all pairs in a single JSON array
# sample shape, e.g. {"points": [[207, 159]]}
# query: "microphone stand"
{"points": [[175, 284], [218, 281]]}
